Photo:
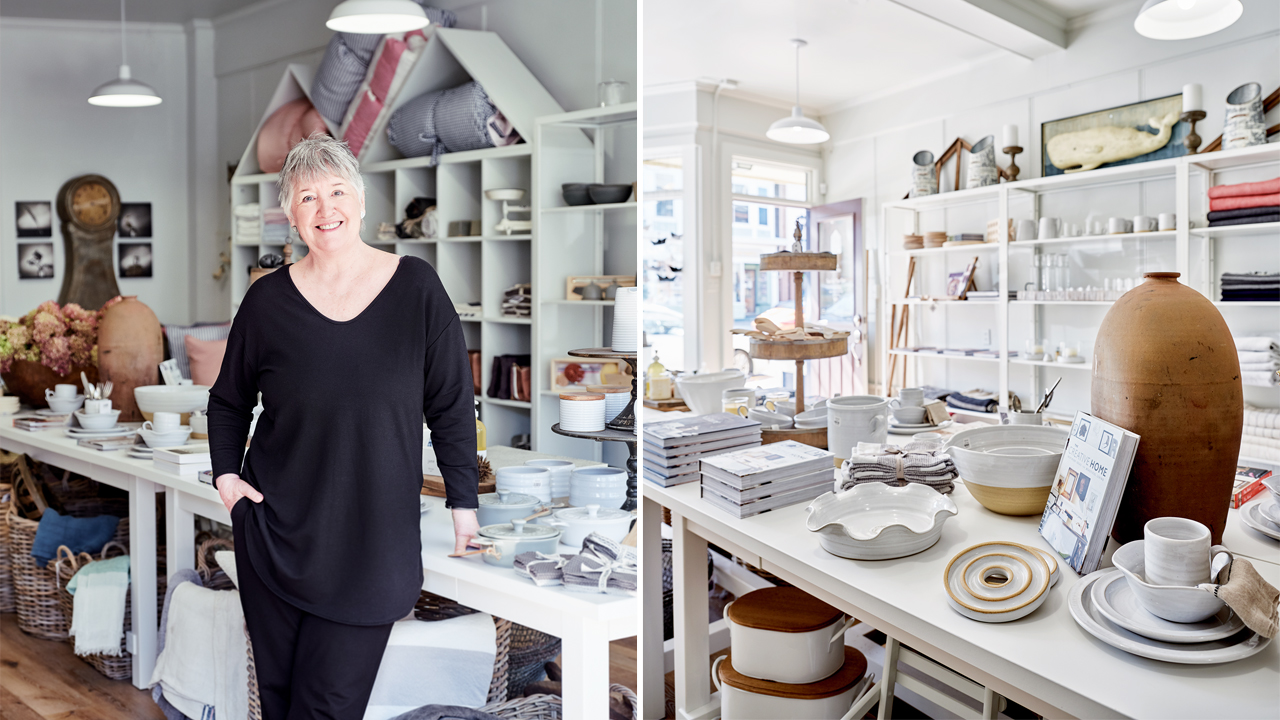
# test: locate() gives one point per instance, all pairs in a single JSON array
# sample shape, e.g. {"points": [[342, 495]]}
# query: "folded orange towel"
{"points": [[1266, 187], [1244, 201]]}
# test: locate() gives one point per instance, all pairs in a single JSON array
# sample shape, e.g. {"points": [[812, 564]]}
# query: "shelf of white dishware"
{"points": [[509, 320], [1153, 235], [941, 355], [602, 206], [955, 197], [255, 179], [590, 303], [1248, 303], [1042, 363], [939, 250], [522, 404], [1272, 228], [994, 301], [465, 156], [594, 117], [1062, 302]]}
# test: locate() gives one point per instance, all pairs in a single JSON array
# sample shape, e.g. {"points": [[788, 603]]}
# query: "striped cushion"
{"points": [[390, 66], [175, 338], [461, 118], [343, 68]]}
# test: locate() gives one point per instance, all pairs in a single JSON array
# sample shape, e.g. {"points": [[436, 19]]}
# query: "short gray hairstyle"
{"points": [[317, 157]]}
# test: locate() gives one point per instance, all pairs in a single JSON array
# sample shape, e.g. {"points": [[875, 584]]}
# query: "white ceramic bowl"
{"points": [[1184, 604], [171, 398], [812, 419], [62, 405], [97, 421], [792, 638], [873, 521], [702, 392], [770, 420], [173, 438], [505, 194], [1008, 468], [576, 523], [561, 471]]}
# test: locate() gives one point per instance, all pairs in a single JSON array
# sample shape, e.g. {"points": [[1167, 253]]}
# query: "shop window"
{"points": [[764, 216], [740, 213]]}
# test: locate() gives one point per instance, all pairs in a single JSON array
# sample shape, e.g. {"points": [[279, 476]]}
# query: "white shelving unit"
{"points": [[472, 268], [1200, 254]]}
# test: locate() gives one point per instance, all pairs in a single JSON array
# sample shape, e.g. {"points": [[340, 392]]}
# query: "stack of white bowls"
{"points": [[582, 412], [626, 320], [603, 486], [535, 481], [8, 404], [561, 472]]}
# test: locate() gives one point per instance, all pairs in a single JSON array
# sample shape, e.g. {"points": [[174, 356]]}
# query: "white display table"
{"points": [[1045, 661]]}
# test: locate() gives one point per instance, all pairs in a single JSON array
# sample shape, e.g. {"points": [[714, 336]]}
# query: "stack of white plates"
{"points": [[1263, 515], [141, 452], [582, 412], [117, 431], [998, 581], [535, 481], [561, 471], [626, 320]]}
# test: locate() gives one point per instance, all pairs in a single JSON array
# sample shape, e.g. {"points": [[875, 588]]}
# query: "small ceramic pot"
{"points": [[576, 523], [1175, 603], [504, 506], [744, 698], [786, 635], [507, 540]]}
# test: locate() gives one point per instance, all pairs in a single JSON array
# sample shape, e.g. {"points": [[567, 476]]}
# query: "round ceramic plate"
{"points": [[47, 411], [1251, 515], [1270, 511], [913, 429], [1114, 599], [109, 432], [1080, 603], [997, 581], [1052, 561]]}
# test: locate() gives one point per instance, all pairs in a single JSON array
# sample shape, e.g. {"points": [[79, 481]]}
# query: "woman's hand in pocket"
{"points": [[231, 488]]}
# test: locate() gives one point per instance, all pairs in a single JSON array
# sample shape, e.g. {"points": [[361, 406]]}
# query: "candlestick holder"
{"points": [[1012, 171], [1192, 140]]}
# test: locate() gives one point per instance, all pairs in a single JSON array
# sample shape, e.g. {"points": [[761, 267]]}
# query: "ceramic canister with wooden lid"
{"points": [[582, 412], [616, 398], [785, 635], [746, 698]]}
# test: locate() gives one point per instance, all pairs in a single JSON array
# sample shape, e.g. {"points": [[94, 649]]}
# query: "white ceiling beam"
{"points": [[1007, 24]]}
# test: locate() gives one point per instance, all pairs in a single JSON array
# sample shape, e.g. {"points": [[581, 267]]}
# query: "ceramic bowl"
{"points": [[1184, 603], [602, 194], [909, 415], [1008, 468], [812, 419], [98, 421], [575, 194], [873, 521], [63, 405], [172, 438], [771, 420], [505, 194], [171, 398], [601, 485], [702, 392]]}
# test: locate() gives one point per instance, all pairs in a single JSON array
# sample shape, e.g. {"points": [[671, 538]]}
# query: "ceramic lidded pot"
{"points": [[130, 349], [1165, 367]]}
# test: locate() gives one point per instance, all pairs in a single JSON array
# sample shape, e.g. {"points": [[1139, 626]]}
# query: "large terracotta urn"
{"points": [[130, 349], [28, 380], [1165, 367]]}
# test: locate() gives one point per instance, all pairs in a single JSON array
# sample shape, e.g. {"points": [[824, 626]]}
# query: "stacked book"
{"points": [[36, 423], [756, 480], [673, 448], [184, 459]]}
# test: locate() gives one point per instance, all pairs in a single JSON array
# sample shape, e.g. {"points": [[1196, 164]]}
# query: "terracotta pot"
{"points": [[28, 381], [130, 349], [1165, 367]]}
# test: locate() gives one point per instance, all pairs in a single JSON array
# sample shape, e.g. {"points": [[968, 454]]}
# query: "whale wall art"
{"points": [[1137, 133]]}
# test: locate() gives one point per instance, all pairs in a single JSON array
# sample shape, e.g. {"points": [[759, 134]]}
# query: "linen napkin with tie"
{"points": [[1248, 595]]}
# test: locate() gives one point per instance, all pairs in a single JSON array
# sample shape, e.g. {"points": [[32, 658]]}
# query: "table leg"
{"points": [[652, 678], [888, 679], [142, 569], [585, 652], [693, 664], [180, 534]]}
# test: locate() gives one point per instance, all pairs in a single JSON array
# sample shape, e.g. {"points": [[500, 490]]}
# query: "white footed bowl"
{"points": [[172, 438], [873, 521], [702, 392], [171, 398], [1008, 468]]}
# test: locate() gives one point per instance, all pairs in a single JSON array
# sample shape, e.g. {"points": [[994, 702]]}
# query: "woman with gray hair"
{"points": [[350, 348]]}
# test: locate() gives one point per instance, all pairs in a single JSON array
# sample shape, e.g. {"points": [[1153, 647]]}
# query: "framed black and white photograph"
{"points": [[134, 220], [34, 218], [134, 260], [35, 260]]}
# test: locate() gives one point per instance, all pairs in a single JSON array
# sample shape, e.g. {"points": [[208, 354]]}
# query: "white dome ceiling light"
{"points": [[798, 129], [377, 17], [124, 91], [1183, 19]]}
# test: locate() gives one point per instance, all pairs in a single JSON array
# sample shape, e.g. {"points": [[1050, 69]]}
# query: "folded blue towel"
{"points": [[78, 534], [964, 402]]}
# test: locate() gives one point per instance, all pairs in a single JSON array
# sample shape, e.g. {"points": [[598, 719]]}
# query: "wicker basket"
{"points": [[213, 576], [530, 651], [6, 575], [534, 707]]}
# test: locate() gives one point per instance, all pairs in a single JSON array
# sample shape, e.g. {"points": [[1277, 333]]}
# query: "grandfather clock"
{"points": [[88, 206]]}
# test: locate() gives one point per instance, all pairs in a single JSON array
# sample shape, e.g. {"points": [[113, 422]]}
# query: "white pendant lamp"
{"points": [[377, 17], [798, 129], [124, 91], [1182, 19]]}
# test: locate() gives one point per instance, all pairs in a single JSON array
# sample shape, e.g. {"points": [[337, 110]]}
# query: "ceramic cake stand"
{"points": [[621, 428]]}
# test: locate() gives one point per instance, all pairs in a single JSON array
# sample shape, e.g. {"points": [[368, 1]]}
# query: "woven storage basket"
{"points": [[534, 707], [6, 574], [530, 650], [213, 577]]}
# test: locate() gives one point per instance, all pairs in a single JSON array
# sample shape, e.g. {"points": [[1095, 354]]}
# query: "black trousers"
{"points": [[308, 667]]}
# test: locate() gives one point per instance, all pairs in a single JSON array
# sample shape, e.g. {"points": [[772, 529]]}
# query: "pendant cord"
{"points": [[124, 58], [797, 71]]}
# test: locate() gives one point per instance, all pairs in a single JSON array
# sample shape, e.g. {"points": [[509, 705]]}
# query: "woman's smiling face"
{"points": [[327, 212]]}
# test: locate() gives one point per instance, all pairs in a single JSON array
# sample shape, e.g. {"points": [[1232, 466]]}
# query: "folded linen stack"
{"points": [[541, 568], [1250, 287], [1261, 438], [605, 566], [517, 300], [1244, 203], [922, 463], [97, 616], [275, 226], [248, 223], [977, 400], [1259, 360]]}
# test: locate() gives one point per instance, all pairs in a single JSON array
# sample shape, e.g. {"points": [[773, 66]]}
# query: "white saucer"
{"points": [[913, 429], [1252, 516], [118, 430], [1114, 599], [1080, 603], [1270, 511]]}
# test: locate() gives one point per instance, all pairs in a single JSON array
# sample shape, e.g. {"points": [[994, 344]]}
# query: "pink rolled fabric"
{"points": [[1266, 187], [1247, 201]]}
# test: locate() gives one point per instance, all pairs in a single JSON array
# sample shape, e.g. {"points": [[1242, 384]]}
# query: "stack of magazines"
{"points": [[748, 482], [673, 449]]}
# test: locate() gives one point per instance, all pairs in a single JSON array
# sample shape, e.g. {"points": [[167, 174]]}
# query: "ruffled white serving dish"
{"points": [[1008, 468], [873, 521]]}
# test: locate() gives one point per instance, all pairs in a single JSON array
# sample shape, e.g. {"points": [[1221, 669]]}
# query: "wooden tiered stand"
{"points": [[619, 429], [798, 263]]}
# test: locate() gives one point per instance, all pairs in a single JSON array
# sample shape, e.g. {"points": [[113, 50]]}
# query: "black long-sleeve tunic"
{"points": [[337, 451]]}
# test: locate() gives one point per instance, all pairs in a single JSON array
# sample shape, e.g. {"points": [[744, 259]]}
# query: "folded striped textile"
{"points": [[1260, 440], [1243, 201], [1243, 212], [1257, 356], [1261, 417], [1271, 365], [97, 616], [925, 464], [1252, 431], [1265, 378], [973, 400], [247, 210], [1275, 217], [1266, 187], [1259, 451], [1237, 281], [542, 569], [1257, 343]]}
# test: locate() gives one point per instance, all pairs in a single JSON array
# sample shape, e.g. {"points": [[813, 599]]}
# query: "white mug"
{"points": [[1117, 226], [910, 397], [1050, 228], [1144, 223], [162, 422], [1179, 552], [1168, 221], [1071, 230], [62, 391], [853, 419], [1026, 230]]}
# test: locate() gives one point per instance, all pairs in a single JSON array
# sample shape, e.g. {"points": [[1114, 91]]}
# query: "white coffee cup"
{"points": [[1050, 228], [907, 415], [1071, 230], [909, 397], [853, 419], [1026, 230], [1144, 223], [1116, 226], [62, 391], [1168, 221], [163, 422], [1179, 552]]}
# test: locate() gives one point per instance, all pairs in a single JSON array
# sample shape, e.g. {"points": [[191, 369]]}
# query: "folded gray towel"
{"points": [[542, 569], [923, 464], [604, 565]]}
